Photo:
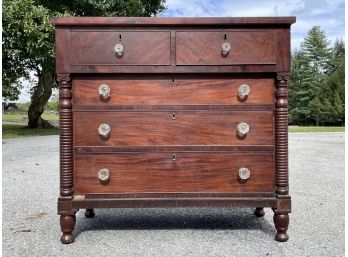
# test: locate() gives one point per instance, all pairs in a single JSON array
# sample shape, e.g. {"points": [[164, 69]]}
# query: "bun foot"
{"points": [[281, 222], [281, 237], [89, 213], [67, 238], [67, 224], [259, 212]]}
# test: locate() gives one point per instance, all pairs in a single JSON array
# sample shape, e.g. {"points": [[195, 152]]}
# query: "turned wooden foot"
{"points": [[259, 212], [67, 224], [281, 222], [89, 213]]}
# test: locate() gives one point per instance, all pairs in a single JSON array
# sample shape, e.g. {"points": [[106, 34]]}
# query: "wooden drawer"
{"points": [[165, 91], [159, 128], [139, 47], [246, 47], [190, 172]]}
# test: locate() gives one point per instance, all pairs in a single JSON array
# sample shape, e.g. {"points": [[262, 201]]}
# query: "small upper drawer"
{"points": [[120, 48], [240, 47]]}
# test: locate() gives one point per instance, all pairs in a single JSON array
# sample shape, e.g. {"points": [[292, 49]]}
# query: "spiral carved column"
{"points": [[66, 136], [281, 216], [281, 133]]}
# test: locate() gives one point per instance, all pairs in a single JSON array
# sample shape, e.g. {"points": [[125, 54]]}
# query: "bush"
{"points": [[23, 107], [52, 105]]}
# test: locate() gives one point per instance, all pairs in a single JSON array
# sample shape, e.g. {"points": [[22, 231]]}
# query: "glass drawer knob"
{"points": [[104, 130], [244, 173], [119, 49], [104, 91], [104, 176], [225, 48], [243, 91], [243, 129]]}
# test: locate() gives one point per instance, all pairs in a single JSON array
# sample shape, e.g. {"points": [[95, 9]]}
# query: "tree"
{"points": [[310, 65], [28, 41], [331, 95]]}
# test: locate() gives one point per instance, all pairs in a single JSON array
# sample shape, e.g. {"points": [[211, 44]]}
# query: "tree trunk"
{"points": [[317, 122], [39, 98]]}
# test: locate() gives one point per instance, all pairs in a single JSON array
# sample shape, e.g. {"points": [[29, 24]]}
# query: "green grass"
{"points": [[14, 130], [24, 117], [315, 129]]}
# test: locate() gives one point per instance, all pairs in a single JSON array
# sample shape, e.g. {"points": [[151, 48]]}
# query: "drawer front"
{"points": [[189, 172], [139, 48], [165, 91], [205, 48], [173, 128]]}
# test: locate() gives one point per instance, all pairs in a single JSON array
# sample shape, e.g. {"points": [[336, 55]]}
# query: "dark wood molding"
{"points": [[281, 133], [166, 108], [175, 202], [176, 148], [66, 135], [162, 69], [171, 21]]}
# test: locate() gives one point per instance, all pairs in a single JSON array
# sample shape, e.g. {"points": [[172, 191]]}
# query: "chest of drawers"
{"points": [[173, 112]]}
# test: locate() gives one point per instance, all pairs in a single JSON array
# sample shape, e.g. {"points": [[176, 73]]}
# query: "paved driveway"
{"points": [[30, 223]]}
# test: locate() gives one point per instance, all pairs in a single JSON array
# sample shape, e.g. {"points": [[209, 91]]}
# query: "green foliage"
{"points": [[28, 43], [52, 105], [28, 34], [330, 100], [316, 88], [121, 8], [23, 107], [315, 129], [15, 130]]}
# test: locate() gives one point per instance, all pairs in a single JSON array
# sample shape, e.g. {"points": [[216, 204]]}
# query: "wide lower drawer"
{"points": [[171, 90], [187, 172], [172, 128]]}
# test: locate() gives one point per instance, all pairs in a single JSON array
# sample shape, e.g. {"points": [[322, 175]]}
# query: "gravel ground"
{"points": [[30, 223]]}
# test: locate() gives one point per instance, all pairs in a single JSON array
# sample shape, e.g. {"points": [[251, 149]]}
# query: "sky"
{"points": [[329, 14]]}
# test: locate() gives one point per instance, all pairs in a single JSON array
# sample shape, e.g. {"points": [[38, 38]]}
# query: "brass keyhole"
{"points": [[174, 156], [173, 116]]}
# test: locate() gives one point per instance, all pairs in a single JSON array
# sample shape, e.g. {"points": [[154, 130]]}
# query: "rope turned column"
{"points": [[66, 135], [281, 133]]}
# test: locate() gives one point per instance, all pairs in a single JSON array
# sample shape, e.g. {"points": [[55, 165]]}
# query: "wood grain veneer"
{"points": [[158, 172], [247, 47], [173, 91], [158, 128]]}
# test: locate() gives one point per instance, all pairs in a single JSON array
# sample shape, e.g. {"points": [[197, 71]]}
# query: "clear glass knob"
{"points": [[104, 176], [119, 49], [243, 90], [225, 48], [244, 173], [104, 91], [243, 129], [104, 129]]}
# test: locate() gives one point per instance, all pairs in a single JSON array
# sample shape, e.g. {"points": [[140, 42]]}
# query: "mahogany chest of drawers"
{"points": [[173, 112]]}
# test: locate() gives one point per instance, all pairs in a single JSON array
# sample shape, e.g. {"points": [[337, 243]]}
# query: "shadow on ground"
{"points": [[172, 219]]}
